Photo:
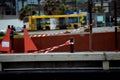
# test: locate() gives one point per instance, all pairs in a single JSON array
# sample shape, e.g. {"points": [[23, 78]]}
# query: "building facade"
{"points": [[12, 7], [7, 7]]}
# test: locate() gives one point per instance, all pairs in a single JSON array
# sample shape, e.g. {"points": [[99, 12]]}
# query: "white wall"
{"points": [[4, 24]]}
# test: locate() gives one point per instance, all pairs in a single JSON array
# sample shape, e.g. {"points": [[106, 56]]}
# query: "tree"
{"points": [[49, 7], [53, 7], [26, 11]]}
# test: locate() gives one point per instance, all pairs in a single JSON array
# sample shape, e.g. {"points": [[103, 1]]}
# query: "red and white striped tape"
{"points": [[45, 35], [47, 50]]}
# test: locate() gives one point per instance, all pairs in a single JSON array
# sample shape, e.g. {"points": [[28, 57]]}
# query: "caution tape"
{"points": [[67, 31], [47, 50]]}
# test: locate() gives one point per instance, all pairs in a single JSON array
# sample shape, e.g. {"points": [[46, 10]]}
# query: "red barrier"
{"points": [[104, 41], [28, 43], [5, 45]]}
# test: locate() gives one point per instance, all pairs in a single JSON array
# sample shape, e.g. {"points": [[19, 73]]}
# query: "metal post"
{"points": [[72, 45], [90, 23], [115, 12], [116, 39]]}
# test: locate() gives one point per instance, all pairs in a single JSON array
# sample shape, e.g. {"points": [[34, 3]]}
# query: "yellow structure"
{"points": [[43, 22]]}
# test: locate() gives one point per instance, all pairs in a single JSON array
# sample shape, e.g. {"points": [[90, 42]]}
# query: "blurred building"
{"points": [[7, 7], [117, 6], [12, 7]]}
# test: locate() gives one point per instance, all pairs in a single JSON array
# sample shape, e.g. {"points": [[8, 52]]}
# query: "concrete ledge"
{"points": [[61, 56], [113, 55]]}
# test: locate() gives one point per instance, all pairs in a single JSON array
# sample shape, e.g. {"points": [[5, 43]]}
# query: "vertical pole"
{"points": [[90, 23], [116, 35], [72, 45], [115, 12], [116, 39]]}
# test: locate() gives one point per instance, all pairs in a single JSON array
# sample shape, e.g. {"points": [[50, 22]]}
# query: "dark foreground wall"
{"points": [[100, 42], [82, 75]]}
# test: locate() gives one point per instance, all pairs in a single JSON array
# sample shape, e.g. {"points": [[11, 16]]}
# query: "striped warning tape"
{"points": [[67, 31], [47, 50]]}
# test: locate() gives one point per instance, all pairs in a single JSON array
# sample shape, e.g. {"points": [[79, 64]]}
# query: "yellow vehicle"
{"points": [[48, 22]]}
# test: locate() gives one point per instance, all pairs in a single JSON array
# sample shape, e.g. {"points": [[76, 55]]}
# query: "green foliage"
{"points": [[62, 8], [2, 33], [55, 7], [51, 7], [26, 11]]}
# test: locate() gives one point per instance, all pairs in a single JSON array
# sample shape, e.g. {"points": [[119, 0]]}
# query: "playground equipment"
{"points": [[47, 22]]}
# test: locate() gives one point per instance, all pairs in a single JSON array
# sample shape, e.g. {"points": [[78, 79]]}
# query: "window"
{"points": [[8, 7]]}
